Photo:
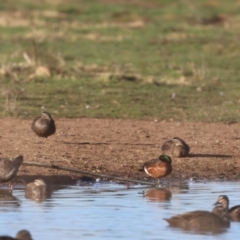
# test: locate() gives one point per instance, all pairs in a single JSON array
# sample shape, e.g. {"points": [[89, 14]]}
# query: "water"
{"points": [[112, 211]]}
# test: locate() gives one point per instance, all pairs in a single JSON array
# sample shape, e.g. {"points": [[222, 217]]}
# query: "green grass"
{"points": [[142, 59]]}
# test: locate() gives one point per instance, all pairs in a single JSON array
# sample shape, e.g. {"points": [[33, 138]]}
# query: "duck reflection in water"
{"points": [[37, 190], [158, 194], [200, 221], [7, 199], [21, 235]]}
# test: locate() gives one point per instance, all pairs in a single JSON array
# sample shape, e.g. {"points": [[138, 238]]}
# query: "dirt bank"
{"points": [[120, 147]]}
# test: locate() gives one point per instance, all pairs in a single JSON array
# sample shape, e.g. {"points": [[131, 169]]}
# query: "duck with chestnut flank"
{"points": [[158, 168]]}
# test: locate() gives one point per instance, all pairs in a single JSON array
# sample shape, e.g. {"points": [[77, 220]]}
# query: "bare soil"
{"points": [[120, 147]]}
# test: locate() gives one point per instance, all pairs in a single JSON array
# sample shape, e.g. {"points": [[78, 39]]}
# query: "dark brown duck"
{"points": [[176, 147], [44, 125], [21, 235], [202, 221], [9, 168], [234, 212]]}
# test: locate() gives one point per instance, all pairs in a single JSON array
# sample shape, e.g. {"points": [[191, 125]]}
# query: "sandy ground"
{"points": [[120, 147]]}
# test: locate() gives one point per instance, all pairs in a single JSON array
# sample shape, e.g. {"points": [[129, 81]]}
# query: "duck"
{"points": [[43, 125], [176, 147], [159, 167], [9, 169], [21, 235], [202, 221], [234, 212], [36, 190], [222, 201]]}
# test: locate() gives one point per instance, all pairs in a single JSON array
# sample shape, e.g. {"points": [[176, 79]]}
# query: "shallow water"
{"points": [[112, 211]]}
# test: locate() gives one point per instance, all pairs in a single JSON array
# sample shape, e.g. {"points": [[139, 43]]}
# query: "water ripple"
{"points": [[112, 211]]}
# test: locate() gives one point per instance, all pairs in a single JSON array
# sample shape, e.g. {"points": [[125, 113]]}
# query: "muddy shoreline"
{"points": [[119, 147]]}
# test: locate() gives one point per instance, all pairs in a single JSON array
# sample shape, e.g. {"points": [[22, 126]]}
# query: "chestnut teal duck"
{"points": [[159, 167]]}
